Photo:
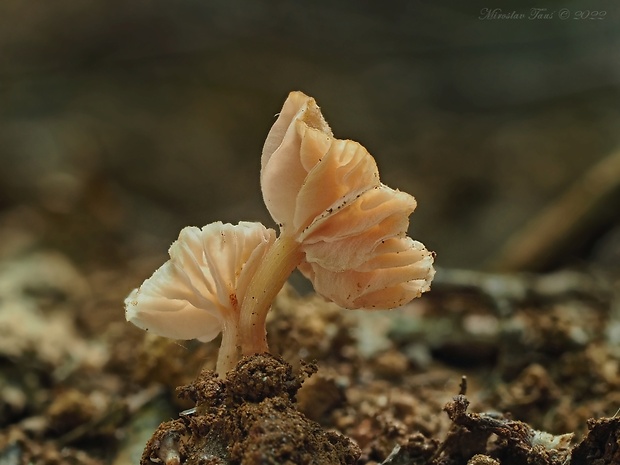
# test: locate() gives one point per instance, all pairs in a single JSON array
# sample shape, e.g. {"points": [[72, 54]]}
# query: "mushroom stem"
{"points": [[229, 349], [279, 262]]}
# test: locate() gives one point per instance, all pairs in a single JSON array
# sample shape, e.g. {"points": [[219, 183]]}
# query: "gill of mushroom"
{"points": [[197, 293], [343, 228]]}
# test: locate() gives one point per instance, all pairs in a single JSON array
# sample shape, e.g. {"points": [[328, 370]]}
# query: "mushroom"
{"points": [[197, 293], [343, 228]]}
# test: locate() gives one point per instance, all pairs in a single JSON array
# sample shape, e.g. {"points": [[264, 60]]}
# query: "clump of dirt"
{"points": [[508, 441], [601, 445], [248, 418]]}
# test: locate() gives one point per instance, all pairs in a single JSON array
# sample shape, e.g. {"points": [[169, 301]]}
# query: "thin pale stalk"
{"points": [[272, 273], [229, 349]]}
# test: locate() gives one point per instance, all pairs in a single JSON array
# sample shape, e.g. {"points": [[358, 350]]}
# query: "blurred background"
{"points": [[121, 122]]}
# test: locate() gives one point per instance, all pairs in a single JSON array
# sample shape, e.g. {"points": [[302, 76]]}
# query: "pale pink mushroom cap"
{"points": [[199, 290], [325, 193]]}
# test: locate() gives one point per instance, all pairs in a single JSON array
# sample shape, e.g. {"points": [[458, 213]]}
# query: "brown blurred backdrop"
{"points": [[121, 122]]}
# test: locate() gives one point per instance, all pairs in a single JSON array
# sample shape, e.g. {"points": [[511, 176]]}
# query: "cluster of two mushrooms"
{"points": [[342, 228]]}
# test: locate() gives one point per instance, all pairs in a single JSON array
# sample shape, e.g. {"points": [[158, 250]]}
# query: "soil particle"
{"points": [[272, 433], [417, 449], [249, 418], [602, 444], [320, 396], [391, 364], [532, 393], [69, 410], [164, 445], [480, 459], [511, 442], [258, 378], [309, 328], [207, 390], [16, 448]]}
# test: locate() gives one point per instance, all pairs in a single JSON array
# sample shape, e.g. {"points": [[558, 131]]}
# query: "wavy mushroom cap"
{"points": [[326, 194], [401, 273], [195, 293]]}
